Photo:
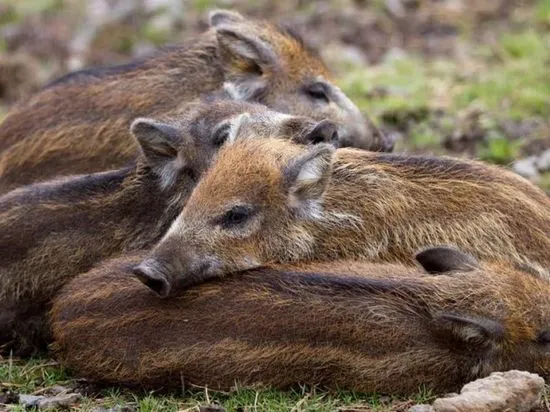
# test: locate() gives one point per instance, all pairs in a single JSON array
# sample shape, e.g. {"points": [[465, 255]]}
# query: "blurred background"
{"points": [[460, 77]]}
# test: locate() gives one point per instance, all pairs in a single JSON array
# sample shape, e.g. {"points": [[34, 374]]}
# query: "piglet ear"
{"points": [[306, 178], [244, 57], [221, 16], [238, 127], [159, 142], [471, 331], [443, 259]]}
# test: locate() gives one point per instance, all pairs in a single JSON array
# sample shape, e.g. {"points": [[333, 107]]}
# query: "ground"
{"points": [[458, 77]]}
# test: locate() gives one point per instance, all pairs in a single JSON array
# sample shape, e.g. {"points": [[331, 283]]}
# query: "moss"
{"points": [[422, 136], [544, 182], [203, 5], [542, 13], [519, 85], [499, 149], [155, 35]]}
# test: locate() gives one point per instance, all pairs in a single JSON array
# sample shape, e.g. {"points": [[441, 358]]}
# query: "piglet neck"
{"points": [[144, 208]]}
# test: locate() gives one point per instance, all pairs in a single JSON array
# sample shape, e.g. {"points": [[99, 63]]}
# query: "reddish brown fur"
{"points": [[345, 325], [359, 205], [52, 231], [79, 124]]}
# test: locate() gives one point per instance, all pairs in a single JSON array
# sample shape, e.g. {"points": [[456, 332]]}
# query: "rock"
{"points": [[449, 395], [7, 397], [396, 8], [501, 391], [28, 401], [543, 162], [394, 54], [122, 408], [526, 167], [58, 390], [59, 401], [342, 57], [421, 408]]}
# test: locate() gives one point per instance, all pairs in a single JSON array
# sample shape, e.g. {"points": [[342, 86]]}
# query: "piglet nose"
{"points": [[323, 132], [150, 272]]}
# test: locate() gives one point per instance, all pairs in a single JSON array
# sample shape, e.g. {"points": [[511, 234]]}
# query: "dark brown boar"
{"points": [[52, 231], [266, 201], [79, 124], [340, 325]]}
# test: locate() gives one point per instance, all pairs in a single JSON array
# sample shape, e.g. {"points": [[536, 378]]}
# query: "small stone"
{"points": [[501, 391], [543, 162], [394, 54], [117, 408], [342, 57], [28, 401], [449, 395], [58, 389], [421, 408], [526, 167], [59, 401], [384, 399], [122, 408], [396, 8], [8, 397]]}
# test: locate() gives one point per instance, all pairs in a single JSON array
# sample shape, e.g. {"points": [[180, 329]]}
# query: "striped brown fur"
{"points": [[52, 231], [346, 325], [79, 124], [269, 200]]}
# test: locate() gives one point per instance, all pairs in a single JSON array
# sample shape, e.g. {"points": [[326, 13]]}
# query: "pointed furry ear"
{"points": [[469, 330], [220, 16], [244, 57], [238, 124], [443, 259], [245, 51], [306, 178], [158, 141]]}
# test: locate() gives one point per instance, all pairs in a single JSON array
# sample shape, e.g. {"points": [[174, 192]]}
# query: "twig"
{"points": [[42, 365], [191, 385], [10, 365], [298, 406], [193, 408]]}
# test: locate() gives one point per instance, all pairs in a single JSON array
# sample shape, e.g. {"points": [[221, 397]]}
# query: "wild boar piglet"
{"points": [[52, 231], [267, 201], [79, 123], [340, 325]]}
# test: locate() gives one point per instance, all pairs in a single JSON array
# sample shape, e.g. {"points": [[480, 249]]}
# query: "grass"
{"points": [[427, 100], [35, 376], [507, 82]]}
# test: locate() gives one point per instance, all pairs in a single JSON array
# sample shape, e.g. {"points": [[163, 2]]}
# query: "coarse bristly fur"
{"points": [[52, 231], [340, 325], [79, 124], [267, 201]]}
